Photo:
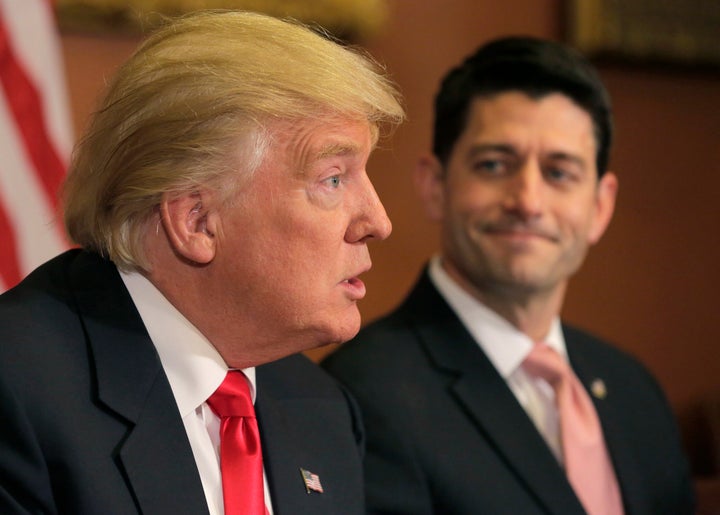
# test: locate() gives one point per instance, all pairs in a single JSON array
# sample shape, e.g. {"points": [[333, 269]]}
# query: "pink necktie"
{"points": [[587, 463], [240, 453]]}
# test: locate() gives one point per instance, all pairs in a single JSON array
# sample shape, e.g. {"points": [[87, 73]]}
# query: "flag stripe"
{"points": [[26, 107], [37, 238], [9, 265], [35, 137], [32, 28]]}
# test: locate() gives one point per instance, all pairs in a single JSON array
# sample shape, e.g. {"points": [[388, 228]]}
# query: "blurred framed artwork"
{"points": [[349, 20], [685, 32]]}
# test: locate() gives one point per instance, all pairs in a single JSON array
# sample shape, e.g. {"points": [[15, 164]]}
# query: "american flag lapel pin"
{"points": [[312, 481]]}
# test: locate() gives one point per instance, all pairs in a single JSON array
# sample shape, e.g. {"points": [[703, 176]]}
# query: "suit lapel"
{"points": [[304, 424], [282, 446], [288, 447], [155, 454], [483, 394]]}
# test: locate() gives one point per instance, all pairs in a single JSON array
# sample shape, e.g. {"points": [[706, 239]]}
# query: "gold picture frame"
{"points": [[663, 31], [349, 20]]}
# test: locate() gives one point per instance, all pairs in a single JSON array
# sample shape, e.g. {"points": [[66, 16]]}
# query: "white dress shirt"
{"points": [[507, 348], [195, 370]]}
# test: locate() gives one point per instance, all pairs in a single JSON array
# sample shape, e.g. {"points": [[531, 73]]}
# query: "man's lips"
{"points": [[519, 232], [354, 286]]}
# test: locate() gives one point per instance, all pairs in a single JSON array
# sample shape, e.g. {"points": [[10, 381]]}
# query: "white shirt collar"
{"points": [[503, 343], [193, 366]]}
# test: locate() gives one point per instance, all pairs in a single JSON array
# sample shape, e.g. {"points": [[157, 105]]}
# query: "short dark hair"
{"points": [[532, 66]]}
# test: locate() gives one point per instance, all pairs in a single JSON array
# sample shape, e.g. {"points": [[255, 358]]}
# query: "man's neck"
{"points": [[530, 315], [531, 312]]}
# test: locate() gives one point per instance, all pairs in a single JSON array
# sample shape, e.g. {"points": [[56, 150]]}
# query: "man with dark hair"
{"points": [[476, 398]]}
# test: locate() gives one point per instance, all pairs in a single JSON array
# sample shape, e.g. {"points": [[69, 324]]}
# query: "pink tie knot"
{"points": [[232, 398], [546, 363]]}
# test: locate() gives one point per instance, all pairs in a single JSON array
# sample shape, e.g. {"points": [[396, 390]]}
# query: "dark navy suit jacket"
{"points": [[89, 424], [445, 435]]}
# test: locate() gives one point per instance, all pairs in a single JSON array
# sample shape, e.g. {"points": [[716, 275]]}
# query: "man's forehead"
{"points": [[305, 142], [326, 138], [516, 107]]}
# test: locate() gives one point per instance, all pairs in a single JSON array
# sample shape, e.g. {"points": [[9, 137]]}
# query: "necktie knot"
{"points": [[545, 362], [232, 398]]}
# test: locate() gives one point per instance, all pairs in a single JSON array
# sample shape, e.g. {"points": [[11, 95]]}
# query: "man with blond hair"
{"points": [[222, 205]]}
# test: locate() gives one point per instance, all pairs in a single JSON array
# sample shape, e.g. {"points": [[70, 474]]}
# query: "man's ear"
{"points": [[429, 186], [190, 225], [605, 197]]}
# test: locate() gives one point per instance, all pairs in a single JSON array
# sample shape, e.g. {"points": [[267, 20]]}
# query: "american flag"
{"points": [[35, 137], [312, 481]]}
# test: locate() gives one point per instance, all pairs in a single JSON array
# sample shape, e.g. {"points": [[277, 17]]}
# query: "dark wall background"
{"points": [[651, 284]]}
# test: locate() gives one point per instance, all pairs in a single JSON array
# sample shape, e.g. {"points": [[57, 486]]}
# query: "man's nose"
{"points": [[371, 221], [525, 191]]}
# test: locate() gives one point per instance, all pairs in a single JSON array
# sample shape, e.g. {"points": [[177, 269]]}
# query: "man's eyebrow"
{"points": [[492, 147], [566, 156], [337, 149], [330, 150]]}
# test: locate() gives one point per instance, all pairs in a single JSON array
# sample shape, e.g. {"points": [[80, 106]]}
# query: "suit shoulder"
{"points": [[297, 376], [594, 348], [381, 342], [592, 353], [46, 282], [39, 313], [386, 358]]}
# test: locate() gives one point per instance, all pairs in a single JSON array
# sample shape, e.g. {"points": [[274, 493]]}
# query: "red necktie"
{"points": [[587, 463], [240, 453]]}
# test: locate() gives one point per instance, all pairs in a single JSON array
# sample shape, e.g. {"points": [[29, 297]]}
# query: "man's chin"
{"points": [[341, 331]]}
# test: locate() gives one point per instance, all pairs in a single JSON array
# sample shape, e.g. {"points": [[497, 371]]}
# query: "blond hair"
{"points": [[192, 108]]}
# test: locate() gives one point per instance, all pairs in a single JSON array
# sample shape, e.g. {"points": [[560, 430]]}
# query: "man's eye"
{"points": [[488, 166], [556, 173], [559, 174], [333, 181]]}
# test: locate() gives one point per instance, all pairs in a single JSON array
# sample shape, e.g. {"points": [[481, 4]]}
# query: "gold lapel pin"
{"points": [[598, 389]]}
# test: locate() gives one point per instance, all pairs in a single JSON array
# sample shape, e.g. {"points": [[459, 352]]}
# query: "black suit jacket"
{"points": [[446, 435], [89, 424]]}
